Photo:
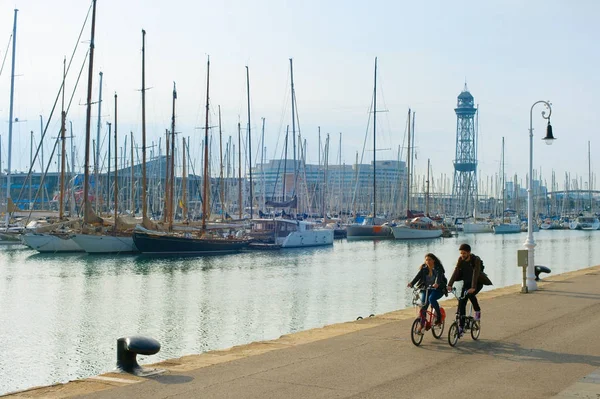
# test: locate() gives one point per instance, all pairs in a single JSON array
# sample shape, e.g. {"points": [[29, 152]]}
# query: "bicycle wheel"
{"points": [[475, 330], [437, 330], [453, 334], [416, 336]]}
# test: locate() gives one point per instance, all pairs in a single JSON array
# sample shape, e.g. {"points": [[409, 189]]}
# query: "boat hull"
{"points": [[100, 244], [507, 229], [407, 233], [10, 239], [472, 228], [160, 244], [311, 238], [51, 243], [368, 232]]}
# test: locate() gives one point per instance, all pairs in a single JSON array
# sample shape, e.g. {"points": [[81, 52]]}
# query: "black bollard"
{"points": [[129, 347], [540, 269]]}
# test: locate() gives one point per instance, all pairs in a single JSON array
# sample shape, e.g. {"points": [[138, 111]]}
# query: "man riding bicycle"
{"points": [[468, 269]]}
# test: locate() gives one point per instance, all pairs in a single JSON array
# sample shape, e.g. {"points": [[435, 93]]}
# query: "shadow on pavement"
{"points": [[172, 379], [517, 353]]}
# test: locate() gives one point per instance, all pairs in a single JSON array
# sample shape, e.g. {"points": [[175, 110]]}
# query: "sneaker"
{"points": [[438, 321], [477, 315], [461, 331]]}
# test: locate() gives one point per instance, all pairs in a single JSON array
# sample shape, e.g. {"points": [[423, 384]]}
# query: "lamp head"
{"points": [[549, 136]]}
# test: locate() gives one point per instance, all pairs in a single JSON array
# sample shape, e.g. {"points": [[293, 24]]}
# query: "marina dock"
{"points": [[538, 345]]}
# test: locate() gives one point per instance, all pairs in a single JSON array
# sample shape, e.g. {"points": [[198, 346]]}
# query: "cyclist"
{"points": [[468, 268], [430, 274]]}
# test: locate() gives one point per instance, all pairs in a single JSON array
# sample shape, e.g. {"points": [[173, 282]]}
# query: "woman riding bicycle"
{"points": [[432, 281]]}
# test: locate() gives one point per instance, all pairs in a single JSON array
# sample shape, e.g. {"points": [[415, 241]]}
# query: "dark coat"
{"points": [[438, 274], [467, 271]]}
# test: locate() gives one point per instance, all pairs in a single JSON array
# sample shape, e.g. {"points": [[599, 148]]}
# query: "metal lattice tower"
{"points": [[464, 189]]}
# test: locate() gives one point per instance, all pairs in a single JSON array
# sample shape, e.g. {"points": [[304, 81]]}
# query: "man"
{"points": [[468, 268]]}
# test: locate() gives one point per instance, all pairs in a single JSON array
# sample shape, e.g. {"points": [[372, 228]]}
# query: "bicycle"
{"points": [[472, 325], [416, 332]]}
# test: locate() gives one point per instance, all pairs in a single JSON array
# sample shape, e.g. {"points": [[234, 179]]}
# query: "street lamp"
{"points": [[529, 284]]}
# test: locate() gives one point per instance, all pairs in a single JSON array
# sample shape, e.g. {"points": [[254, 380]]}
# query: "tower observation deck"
{"points": [[464, 188]]}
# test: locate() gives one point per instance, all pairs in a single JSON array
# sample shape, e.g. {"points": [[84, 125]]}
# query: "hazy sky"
{"points": [[511, 53]]}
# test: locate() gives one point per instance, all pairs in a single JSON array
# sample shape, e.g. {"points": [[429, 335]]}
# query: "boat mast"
{"points": [[408, 168], [589, 179], [249, 142], [239, 170], [144, 202], [293, 123], [86, 178], [206, 176], [132, 174], [427, 192], [172, 166], [374, 142], [262, 164], [97, 158], [222, 192], [287, 131], [184, 185], [503, 183], [116, 169], [165, 214], [63, 117], [10, 120]]}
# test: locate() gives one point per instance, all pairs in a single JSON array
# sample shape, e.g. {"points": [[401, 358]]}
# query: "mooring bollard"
{"points": [[127, 350], [541, 269]]}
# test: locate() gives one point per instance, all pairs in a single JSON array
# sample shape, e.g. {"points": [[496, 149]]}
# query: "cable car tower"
{"points": [[464, 188]]}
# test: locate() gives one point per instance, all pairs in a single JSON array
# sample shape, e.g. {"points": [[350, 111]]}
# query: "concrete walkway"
{"points": [[538, 345]]}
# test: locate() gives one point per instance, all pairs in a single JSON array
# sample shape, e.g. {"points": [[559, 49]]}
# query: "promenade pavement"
{"points": [[538, 345]]}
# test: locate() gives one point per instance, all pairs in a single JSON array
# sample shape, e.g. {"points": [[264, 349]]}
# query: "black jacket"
{"points": [[467, 271], [438, 274]]}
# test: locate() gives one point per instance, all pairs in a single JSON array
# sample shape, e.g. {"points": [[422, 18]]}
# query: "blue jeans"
{"points": [[432, 299]]}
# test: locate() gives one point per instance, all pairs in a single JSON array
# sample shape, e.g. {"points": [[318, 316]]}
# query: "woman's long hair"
{"points": [[437, 263]]}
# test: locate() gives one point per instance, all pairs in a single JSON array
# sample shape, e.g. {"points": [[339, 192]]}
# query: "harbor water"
{"points": [[60, 315]]}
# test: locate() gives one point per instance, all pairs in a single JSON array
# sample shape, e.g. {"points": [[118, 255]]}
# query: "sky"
{"points": [[510, 54]]}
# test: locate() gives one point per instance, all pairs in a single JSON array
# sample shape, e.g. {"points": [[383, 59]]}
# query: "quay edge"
{"points": [[115, 379]]}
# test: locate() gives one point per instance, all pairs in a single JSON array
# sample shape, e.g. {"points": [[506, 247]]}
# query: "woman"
{"points": [[431, 274]]}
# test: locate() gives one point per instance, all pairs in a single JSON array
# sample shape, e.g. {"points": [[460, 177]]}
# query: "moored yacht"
{"points": [[419, 227], [585, 223], [290, 233], [51, 242], [370, 228], [106, 243]]}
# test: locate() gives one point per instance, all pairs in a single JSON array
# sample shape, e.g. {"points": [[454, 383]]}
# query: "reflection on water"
{"points": [[61, 314]]}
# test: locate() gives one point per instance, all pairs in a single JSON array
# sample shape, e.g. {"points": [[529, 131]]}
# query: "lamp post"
{"points": [[529, 284]]}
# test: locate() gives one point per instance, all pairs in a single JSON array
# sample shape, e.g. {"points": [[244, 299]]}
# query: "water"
{"points": [[60, 315]]}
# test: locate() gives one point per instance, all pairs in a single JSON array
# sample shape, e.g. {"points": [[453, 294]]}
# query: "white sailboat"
{"points": [[585, 223], [58, 240], [289, 233], [474, 226], [117, 238], [371, 227], [509, 223], [418, 227]]}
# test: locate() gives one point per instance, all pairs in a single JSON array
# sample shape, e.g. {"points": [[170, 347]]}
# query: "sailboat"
{"points": [[189, 242], [7, 236], [586, 221], [59, 239], [420, 226], [371, 226], [509, 223], [111, 239]]}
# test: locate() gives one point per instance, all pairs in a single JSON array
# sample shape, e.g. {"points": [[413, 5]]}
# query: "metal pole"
{"points": [[530, 284], [10, 121]]}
